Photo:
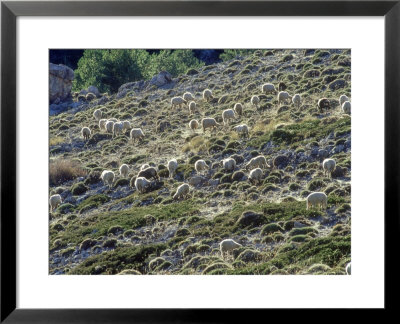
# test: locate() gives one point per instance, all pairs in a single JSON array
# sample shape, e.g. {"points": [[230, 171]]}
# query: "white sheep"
{"points": [[258, 161], [346, 107], [200, 166], [348, 268], [102, 124], [226, 246], [268, 88], [187, 96], [283, 96], [317, 199], [137, 134], [193, 124], [54, 201], [124, 170], [255, 100], [107, 176], [329, 165], [238, 108], [127, 124], [118, 128], [177, 101], [141, 183], [343, 99], [172, 166], [86, 133], [209, 123], [255, 175], [207, 95], [229, 164], [144, 166], [227, 114], [109, 126], [296, 100], [182, 191], [97, 114], [242, 129], [192, 107]]}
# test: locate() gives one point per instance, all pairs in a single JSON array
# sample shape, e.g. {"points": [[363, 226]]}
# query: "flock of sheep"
{"points": [[255, 165]]}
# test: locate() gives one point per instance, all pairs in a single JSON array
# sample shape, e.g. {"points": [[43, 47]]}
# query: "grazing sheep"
{"points": [[227, 246], [255, 175], [343, 99], [187, 96], [242, 129], [144, 166], [296, 100], [193, 124], [229, 164], [109, 126], [227, 114], [137, 134], [268, 88], [97, 114], [102, 124], [113, 119], [107, 176], [192, 107], [200, 166], [258, 161], [255, 100], [209, 123], [124, 170], [238, 108], [86, 133], [324, 103], [283, 96], [148, 173], [207, 95], [348, 268], [177, 101], [317, 199], [127, 124], [118, 128], [329, 165], [346, 107], [282, 86], [141, 184], [172, 166], [182, 191], [54, 201]]}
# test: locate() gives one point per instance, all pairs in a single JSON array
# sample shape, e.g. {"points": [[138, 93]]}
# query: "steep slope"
{"points": [[101, 230]]}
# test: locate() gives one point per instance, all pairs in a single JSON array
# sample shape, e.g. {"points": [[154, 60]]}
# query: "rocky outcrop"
{"points": [[60, 83], [161, 79]]}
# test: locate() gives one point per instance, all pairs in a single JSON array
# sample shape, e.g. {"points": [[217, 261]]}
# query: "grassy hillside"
{"points": [[101, 230]]}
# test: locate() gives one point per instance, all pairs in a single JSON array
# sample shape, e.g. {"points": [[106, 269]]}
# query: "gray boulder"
{"points": [[60, 83], [161, 79]]}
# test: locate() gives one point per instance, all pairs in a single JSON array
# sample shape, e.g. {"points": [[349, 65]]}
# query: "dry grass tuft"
{"points": [[62, 170]]}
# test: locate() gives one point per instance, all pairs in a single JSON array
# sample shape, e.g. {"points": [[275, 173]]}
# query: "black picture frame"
{"points": [[10, 10]]}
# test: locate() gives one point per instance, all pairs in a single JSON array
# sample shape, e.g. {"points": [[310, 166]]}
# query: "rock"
{"points": [[94, 90], [196, 180], [60, 82], [126, 87], [161, 79], [250, 218]]}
